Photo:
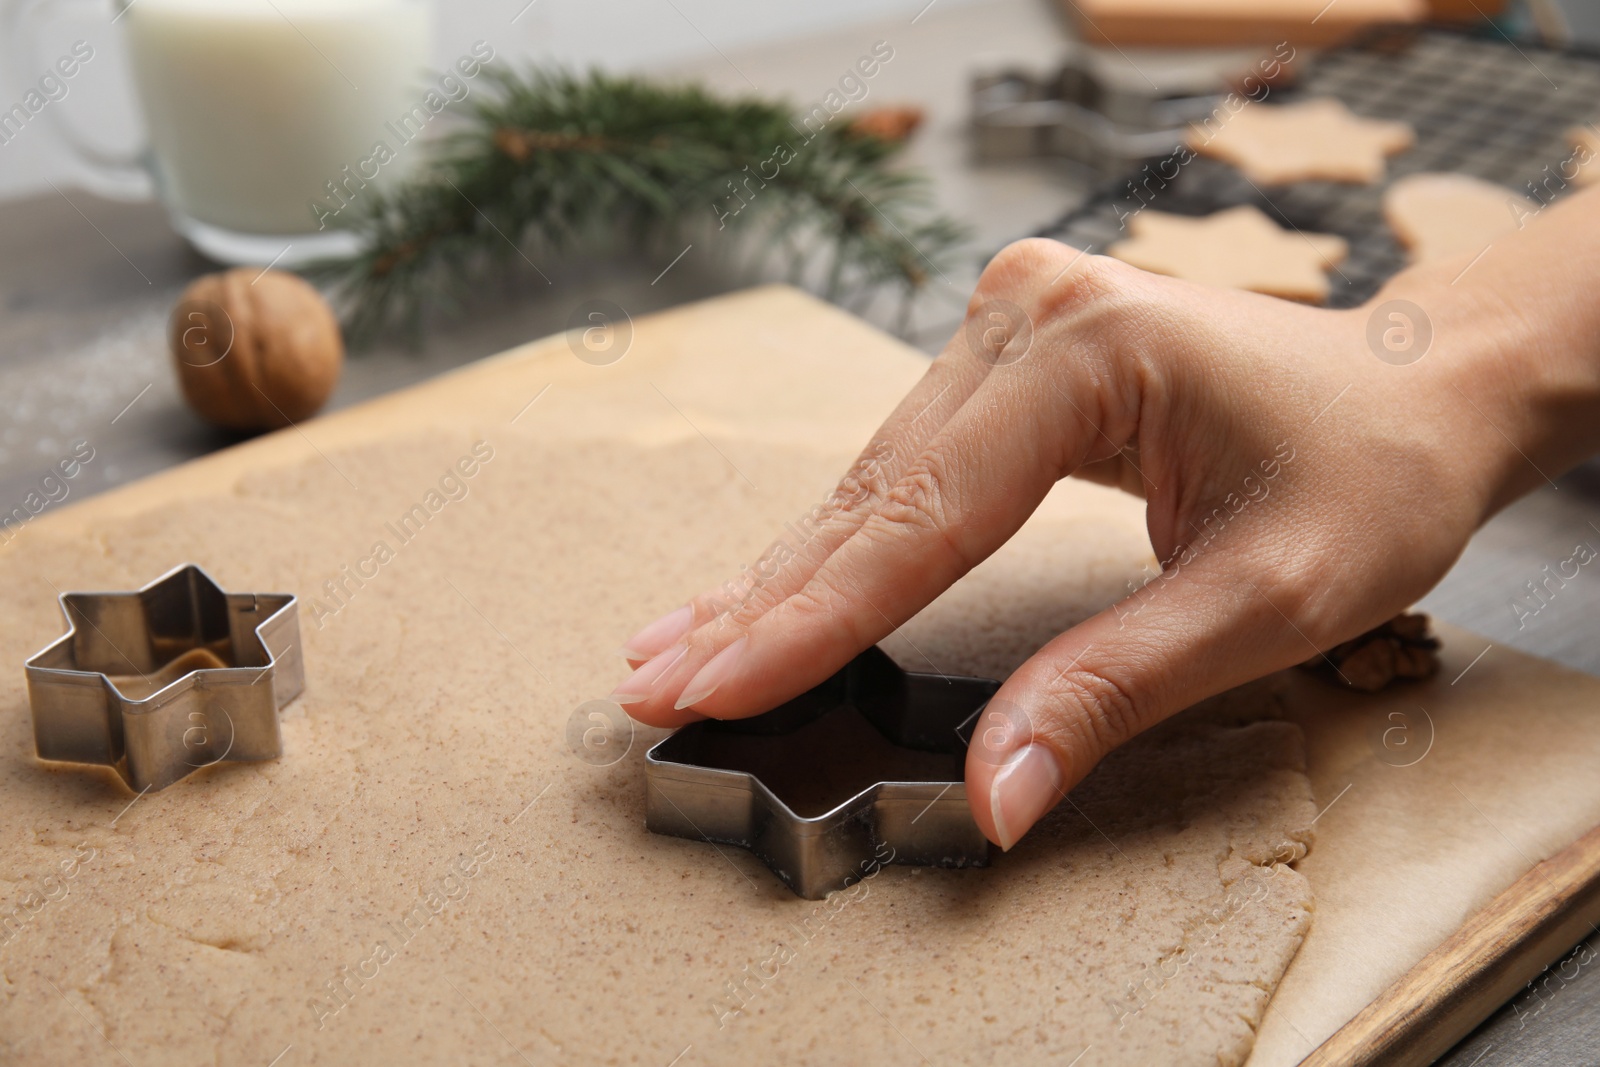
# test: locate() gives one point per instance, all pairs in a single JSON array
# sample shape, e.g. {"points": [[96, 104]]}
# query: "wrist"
{"points": [[1515, 349]]}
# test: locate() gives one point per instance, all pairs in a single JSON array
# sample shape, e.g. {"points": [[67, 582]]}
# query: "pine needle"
{"points": [[552, 159]]}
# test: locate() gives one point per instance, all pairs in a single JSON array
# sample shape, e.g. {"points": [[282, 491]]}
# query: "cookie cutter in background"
{"points": [[163, 681], [708, 781], [1102, 111]]}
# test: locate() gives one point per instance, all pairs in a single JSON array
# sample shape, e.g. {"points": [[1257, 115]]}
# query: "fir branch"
{"points": [[554, 158]]}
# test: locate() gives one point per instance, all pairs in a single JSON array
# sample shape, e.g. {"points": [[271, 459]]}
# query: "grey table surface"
{"points": [[86, 285]]}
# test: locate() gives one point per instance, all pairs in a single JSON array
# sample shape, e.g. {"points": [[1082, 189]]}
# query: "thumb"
{"points": [[1192, 632]]}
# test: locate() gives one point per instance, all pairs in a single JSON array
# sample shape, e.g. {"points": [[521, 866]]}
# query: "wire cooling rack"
{"points": [[1490, 108]]}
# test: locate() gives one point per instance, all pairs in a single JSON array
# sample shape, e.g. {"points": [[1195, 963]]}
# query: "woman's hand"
{"points": [[1305, 483]]}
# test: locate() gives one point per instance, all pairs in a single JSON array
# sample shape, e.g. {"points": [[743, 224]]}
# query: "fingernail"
{"points": [[713, 674], [1024, 789], [639, 685], [659, 635]]}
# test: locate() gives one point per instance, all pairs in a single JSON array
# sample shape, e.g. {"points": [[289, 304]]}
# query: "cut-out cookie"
{"points": [[1438, 216], [1239, 248], [1318, 139]]}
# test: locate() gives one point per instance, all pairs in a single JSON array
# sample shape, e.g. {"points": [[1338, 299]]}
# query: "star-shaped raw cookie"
{"points": [[1437, 216], [1239, 248], [1318, 139], [1585, 141]]}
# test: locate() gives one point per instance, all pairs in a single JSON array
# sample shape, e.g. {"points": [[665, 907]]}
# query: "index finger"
{"points": [[938, 394], [956, 504], [884, 561]]}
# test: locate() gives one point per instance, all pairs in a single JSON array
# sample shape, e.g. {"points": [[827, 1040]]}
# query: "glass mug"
{"points": [[258, 114]]}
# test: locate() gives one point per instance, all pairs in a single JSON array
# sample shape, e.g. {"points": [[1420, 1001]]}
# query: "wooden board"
{"points": [[1426, 920], [1199, 23], [1482, 965]]}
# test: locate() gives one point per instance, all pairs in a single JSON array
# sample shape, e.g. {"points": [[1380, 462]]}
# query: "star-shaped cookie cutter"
{"points": [[703, 782], [1092, 109], [163, 681]]}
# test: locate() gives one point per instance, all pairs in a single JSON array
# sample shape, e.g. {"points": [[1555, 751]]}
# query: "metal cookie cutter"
{"points": [[164, 681], [1094, 110], [865, 768]]}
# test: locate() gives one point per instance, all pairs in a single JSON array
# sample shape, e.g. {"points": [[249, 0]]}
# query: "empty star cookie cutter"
{"points": [[706, 781], [161, 682], [1108, 115]]}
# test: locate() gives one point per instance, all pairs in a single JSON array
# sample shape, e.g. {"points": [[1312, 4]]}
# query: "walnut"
{"points": [[1400, 648], [254, 351]]}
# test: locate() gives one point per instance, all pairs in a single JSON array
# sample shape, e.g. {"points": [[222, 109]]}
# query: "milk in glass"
{"points": [[255, 106]]}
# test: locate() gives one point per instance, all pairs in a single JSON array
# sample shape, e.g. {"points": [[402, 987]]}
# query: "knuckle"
{"points": [[1294, 592], [1020, 267], [916, 499], [1302, 597], [866, 483], [824, 602], [700, 646], [1300, 591], [1099, 299], [716, 615], [810, 538], [1091, 713], [819, 598], [738, 600], [1100, 287], [758, 594], [920, 503]]}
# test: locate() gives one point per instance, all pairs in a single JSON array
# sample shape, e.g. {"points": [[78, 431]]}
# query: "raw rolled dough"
{"points": [[431, 875]]}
